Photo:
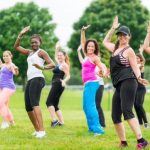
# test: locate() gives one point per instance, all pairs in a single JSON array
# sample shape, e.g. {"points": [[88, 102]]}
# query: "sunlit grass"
{"points": [[73, 136]]}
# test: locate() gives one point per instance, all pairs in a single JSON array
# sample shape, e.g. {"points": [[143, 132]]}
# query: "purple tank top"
{"points": [[6, 78], [88, 71]]}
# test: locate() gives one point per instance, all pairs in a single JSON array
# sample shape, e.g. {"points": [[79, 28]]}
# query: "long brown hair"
{"points": [[142, 59], [96, 46]]}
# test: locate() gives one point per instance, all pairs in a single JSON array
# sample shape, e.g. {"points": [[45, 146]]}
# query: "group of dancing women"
{"points": [[126, 71]]}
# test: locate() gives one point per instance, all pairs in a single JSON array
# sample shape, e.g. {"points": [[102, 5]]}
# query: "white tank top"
{"points": [[32, 71]]}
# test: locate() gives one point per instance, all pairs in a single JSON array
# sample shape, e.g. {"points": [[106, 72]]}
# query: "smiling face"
{"points": [[60, 57], [7, 57], [35, 43], [123, 38], [90, 47]]}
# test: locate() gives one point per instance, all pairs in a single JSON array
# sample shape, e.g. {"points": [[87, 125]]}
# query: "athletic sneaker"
{"points": [[142, 145], [34, 133], [4, 125], [54, 123], [40, 134], [97, 134], [146, 125], [60, 124]]}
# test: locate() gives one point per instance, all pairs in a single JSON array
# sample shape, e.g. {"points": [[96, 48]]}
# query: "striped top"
{"points": [[120, 68]]}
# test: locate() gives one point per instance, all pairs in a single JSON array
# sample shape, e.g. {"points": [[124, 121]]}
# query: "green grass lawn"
{"points": [[73, 136]]}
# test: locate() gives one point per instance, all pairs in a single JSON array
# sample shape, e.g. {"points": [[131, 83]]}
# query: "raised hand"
{"points": [[58, 47], [86, 27], [25, 30], [115, 24]]}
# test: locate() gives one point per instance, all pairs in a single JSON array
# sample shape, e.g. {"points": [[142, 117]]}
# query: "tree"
{"points": [[12, 20], [100, 15]]}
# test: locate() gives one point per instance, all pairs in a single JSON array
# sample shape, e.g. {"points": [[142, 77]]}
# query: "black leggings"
{"points": [[54, 95], [138, 105], [99, 95], [123, 100], [33, 92]]}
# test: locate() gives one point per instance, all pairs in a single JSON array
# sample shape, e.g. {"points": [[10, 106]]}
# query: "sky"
{"points": [[64, 12]]}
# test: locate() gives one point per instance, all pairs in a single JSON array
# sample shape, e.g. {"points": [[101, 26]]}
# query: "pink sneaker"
{"points": [[142, 145]]}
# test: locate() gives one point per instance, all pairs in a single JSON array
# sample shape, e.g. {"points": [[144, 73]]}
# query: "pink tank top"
{"points": [[88, 71]]}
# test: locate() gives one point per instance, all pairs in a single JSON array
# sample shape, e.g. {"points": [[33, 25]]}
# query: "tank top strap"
{"points": [[121, 52]]}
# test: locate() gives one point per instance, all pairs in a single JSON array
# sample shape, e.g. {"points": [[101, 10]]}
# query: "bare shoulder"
{"points": [[65, 65], [42, 53]]}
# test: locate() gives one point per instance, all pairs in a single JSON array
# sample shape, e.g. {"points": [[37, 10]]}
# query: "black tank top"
{"points": [[57, 74], [120, 68]]}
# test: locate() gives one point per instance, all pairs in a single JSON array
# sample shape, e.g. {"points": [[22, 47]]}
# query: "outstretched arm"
{"points": [[107, 40], [79, 54], [147, 40], [17, 43], [83, 37]]}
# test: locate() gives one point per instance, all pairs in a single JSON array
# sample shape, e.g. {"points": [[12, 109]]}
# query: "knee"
{"points": [[128, 114], [29, 108], [116, 119]]}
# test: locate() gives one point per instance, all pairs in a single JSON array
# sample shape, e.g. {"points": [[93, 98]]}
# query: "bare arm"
{"points": [[49, 61], [134, 66], [67, 74], [79, 54], [107, 40], [1, 63], [83, 37], [147, 40], [14, 69], [17, 43]]}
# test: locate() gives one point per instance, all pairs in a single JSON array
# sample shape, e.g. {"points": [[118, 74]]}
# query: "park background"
{"points": [[41, 16]]}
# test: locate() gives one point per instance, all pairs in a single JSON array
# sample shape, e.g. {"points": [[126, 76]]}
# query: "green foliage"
{"points": [[147, 73], [100, 15], [75, 76], [14, 19]]}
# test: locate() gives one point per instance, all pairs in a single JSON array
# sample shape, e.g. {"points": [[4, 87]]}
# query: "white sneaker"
{"points": [[4, 125], [34, 133], [97, 134], [40, 134]]}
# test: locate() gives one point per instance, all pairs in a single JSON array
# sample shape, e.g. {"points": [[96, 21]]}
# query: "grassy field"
{"points": [[72, 136]]}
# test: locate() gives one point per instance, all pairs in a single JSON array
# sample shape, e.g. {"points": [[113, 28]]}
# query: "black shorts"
{"points": [[33, 92]]}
